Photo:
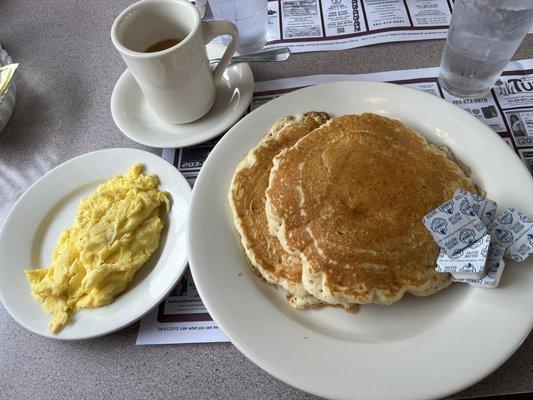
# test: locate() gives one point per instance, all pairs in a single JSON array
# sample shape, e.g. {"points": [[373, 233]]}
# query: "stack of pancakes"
{"points": [[331, 209]]}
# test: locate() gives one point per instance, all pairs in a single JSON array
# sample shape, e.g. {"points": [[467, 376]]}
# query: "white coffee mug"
{"points": [[177, 82]]}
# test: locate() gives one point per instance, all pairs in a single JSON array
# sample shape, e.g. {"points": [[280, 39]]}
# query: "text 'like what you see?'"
{"points": [[473, 243]]}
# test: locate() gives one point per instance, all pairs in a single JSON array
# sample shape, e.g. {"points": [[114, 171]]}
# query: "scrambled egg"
{"points": [[115, 231]]}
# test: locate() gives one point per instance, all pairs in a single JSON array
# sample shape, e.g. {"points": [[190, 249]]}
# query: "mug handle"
{"points": [[212, 29]]}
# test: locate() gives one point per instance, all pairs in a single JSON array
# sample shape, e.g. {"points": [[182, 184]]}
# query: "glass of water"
{"points": [[250, 17], [483, 36]]}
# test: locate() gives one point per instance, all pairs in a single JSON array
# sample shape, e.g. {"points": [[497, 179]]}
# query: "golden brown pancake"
{"points": [[247, 199], [349, 198]]}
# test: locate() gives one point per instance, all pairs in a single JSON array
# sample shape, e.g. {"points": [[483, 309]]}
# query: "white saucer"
{"points": [[135, 118], [49, 206]]}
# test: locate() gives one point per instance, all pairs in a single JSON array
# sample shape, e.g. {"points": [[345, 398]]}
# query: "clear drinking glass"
{"points": [[483, 36], [250, 17]]}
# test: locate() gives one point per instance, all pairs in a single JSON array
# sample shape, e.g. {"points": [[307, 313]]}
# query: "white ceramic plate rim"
{"points": [[226, 120], [435, 381], [179, 266]]}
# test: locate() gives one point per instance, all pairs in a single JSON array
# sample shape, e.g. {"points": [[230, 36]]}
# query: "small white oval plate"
{"points": [[417, 348], [49, 206], [135, 118]]}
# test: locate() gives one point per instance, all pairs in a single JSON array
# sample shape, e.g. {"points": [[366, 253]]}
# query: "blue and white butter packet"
{"points": [[495, 265], [514, 231], [467, 263], [484, 208], [473, 242], [455, 225]]}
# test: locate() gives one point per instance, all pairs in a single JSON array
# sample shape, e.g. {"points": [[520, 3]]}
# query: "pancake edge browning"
{"points": [[297, 296]]}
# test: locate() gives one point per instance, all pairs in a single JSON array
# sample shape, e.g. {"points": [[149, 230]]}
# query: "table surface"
{"points": [[64, 84]]}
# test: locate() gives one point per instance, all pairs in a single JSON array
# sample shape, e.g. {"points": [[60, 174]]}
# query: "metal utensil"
{"points": [[281, 54]]}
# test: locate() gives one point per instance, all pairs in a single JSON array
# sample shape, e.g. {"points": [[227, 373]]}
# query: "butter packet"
{"points": [[484, 208], [468, 263], [495, 265], [455, 225], [514, 231]]}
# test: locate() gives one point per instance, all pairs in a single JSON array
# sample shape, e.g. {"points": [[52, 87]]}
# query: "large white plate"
{"points": [[415, 349], [49, 206]]}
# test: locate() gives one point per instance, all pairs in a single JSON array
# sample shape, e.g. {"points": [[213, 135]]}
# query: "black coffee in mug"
{"points": [[162, 45]]}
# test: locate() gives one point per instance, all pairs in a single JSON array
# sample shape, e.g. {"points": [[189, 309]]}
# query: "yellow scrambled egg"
{"points": [[115, 231]]}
